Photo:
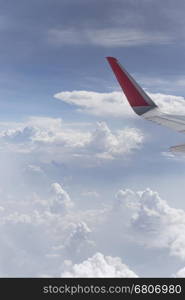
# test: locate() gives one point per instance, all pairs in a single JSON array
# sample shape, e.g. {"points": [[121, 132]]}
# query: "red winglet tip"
{"points": [[111, 59]]}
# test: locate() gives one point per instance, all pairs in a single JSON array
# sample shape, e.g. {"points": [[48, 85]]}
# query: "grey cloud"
{"points": [[79, 244], [60, 200]]}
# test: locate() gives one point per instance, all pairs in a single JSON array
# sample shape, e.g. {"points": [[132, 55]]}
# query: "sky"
{"points": [[89, 189]]}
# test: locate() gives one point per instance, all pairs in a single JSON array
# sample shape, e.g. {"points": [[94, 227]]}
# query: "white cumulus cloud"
{"points": [[154, 222], [40, 230], [60, 199], [100, 104], [170, 103], [107, 144], [79, 243], [98, 266], [69, 144]]}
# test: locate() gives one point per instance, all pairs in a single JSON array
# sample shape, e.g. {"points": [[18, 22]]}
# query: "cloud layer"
{"points": [[50, 138], [47, 233], [115, 104], [112, 104], [107, 37]]}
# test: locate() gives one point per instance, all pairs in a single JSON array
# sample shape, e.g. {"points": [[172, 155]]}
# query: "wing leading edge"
{"points": [[143, 105]]}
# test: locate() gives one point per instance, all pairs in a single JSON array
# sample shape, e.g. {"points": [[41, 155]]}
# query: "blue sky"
{"points": [[51, 46], [71, 149]]}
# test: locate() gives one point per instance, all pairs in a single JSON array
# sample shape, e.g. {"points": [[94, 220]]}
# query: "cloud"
{"points": [[40, 231], [43, 136], [107, 37], [180, 273], [46, 221], [67, 144], [163, 83], [79, 245], [169, 103], [154, 222], [112, 104], [98, 266], [60, 200], [43, 130], [35, 240], [115, 104], [111, 145]]}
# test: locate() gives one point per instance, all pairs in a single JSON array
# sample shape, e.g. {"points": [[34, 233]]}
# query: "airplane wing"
{"points": [[143, 105]]}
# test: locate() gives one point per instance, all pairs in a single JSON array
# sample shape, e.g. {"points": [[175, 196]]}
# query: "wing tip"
{"points": [[111, 59]]}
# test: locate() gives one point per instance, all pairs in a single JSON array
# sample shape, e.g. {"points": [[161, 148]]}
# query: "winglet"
{"points": [[138, 99]]}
